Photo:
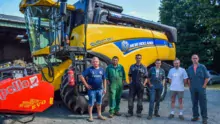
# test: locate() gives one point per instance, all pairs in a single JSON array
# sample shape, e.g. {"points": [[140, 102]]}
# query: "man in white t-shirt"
{"points": [[177, 77]]}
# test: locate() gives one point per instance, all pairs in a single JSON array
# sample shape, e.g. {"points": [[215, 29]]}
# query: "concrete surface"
{"points": [[59, 114]]}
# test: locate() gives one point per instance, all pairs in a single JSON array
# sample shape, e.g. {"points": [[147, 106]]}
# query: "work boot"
{"points": [[204, 122], [149, 117], [117, 114], [139, 115], [156, 114], [171, 116], [195, 119], [129, 115], [181, 117]]}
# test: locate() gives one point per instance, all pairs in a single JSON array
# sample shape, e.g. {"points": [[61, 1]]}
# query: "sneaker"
{"points": [[117, 114], [90, 119], [149, 117], [139, 115], [171, 116], [181, 117], [194, 119], [129, 115], [111, 116], [204, 122]]}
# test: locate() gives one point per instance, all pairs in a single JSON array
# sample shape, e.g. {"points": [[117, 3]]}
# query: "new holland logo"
{"points": [[125, 46]]}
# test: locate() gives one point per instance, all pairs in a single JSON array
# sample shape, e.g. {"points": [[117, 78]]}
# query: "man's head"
{"points": [[115, 60], [158, 63], [138, 58], [176, 63], [195, 59], [95, 62]]}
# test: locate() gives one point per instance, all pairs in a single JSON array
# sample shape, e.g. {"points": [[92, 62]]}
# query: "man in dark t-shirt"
{"points": [[137, 77], [96, 79]]}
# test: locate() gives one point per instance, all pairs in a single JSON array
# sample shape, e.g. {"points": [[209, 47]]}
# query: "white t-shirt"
{"points": [[177, 77], [157, 72]]}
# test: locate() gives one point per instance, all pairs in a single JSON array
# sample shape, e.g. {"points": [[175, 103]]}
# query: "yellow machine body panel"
{"points": [[108, 40], [58, 73]]}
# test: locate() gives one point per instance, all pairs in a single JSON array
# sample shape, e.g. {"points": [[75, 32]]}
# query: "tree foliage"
{"points": [[198, 25]]}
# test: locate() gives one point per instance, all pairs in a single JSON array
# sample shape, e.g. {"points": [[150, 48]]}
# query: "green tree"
{"points": [[198, 25]]}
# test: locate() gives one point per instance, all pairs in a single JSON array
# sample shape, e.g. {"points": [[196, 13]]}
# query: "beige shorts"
{"points": [[180, 94]]}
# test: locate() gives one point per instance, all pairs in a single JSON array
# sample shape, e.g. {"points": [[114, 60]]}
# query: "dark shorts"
{"points": [[180, 94], [95, 96]]}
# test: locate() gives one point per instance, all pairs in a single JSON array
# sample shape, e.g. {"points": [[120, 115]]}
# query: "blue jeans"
{"points": [[95, 96], [155, 94]]}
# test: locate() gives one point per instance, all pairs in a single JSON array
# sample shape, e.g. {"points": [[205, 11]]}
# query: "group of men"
{"points": [[114, 76]]}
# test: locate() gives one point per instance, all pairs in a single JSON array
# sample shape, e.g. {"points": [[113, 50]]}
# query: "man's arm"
{"points": [[107, 75], [84, 82], [169, 76], [149, 77], [104, 81], [104, 84], [206, 77], [130, 74], [185, 77], [188, 80], [124, 77], [164, 78], [145, 76]]}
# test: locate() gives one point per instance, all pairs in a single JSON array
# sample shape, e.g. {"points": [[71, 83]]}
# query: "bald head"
{"points": [[95, 62], [195, 59], [176, 63]]}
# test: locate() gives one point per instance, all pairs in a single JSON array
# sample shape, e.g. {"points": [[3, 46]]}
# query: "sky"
{"points": [[147, 9]]}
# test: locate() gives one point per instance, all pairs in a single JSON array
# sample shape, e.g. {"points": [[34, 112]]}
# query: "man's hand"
{"points": [[204, 86], [108, 82], [124, 81], [104, 91], [88, 87]]}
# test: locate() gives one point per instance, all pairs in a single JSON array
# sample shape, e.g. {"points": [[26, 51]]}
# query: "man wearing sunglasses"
{"points": [[137, 78], [198, 79]]}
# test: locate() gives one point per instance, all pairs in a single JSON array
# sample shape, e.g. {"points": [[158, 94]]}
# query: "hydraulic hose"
{"points": [[50, 71]]}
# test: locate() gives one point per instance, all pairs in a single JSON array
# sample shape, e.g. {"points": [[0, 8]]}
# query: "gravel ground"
{"points": [[59, 114]]}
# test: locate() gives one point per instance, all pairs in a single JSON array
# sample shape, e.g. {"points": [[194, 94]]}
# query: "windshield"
{"points": [[43, 26]]}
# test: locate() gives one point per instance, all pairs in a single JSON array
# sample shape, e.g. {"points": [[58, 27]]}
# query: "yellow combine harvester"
{"points": [[64, 37]]}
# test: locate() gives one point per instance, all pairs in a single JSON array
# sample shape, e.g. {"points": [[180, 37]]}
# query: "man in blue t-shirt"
{"points": [[96, 76]]}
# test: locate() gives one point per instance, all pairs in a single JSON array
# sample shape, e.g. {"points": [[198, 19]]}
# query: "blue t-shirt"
{"points": [[95, 77]]}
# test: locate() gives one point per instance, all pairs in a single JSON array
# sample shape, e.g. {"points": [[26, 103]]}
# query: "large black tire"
{"points": [[74, 99]]}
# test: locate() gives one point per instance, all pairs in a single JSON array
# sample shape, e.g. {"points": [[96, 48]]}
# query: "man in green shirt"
{"points": [[115, 76]]}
